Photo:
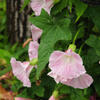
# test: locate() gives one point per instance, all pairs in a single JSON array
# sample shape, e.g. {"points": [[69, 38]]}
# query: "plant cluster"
{"points": [[64, 52]]}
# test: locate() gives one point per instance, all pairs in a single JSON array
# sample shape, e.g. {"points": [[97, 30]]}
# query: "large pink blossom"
{"points": [[38, 5], [36, 33], [67, 68], [21, 71], [33, 50], [19, 98], [52, 98]]}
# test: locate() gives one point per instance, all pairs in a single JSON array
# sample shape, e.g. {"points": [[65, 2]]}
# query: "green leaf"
{"points": [[53, 31], [49, 38], [59, 7], [97, 85], [91, 56], [5, 53], [94, 42], [94, 14], [78, 95], [42, 20], [39, 91], [65, 90], [80, 8]]}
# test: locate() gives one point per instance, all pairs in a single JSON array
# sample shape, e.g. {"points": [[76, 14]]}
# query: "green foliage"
{"points": [[93, 13], [59, 6], [80, 8], [93, 42], [97, 85]]}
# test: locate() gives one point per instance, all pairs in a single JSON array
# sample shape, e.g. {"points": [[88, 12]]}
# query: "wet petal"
{"points": [[84, 81]]}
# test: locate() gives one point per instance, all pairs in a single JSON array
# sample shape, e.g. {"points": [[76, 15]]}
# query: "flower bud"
{"points": [[33, 62], [72, 47]]}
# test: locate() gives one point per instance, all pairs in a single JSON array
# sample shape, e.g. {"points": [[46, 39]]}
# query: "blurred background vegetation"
{"points": [[10, 29]]}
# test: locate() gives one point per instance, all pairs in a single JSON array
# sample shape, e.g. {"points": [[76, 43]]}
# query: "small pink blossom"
{"points": [[67, 68], [21, 71], [19, 98], [36, 33], [52, 98], [38, 5], [33, 50]]}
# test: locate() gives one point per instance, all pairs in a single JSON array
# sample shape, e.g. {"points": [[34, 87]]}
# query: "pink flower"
{"points": [[19, 98], [67, 67], [33, 50], [21, 71], [52, 98], [37, 6], [36, 33]]}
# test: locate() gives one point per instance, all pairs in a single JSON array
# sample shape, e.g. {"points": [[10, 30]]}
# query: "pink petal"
{"points": [[36, 33], [48, 5], [77, 57], [33, 50], [21, 71], [84, 81], [37, 6], [67, 66], [52, 98], [19, 98], [52, 74]]}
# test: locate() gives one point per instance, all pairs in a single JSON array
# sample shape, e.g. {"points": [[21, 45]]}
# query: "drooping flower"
{"points": [[22, 71], [33, 50], [19, 98], [38, 5], [67, 68], [36, 33]]}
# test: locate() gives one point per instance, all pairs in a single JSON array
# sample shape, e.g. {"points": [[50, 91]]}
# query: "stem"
{"points": [[76, 36], [81, 48]]}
